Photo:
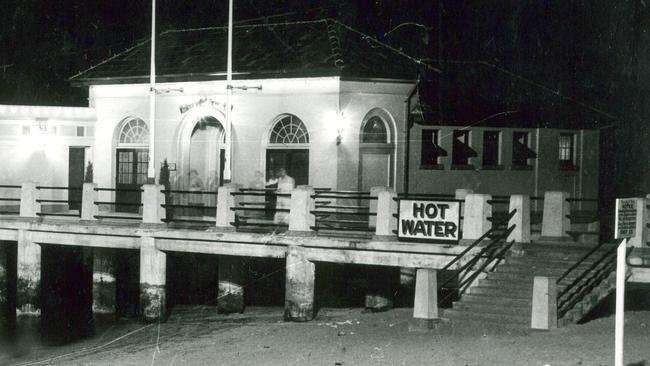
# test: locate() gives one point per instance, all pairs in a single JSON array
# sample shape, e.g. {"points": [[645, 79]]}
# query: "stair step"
{"points": [[492, 298], [511, 309], [501, 319], [495, 291], [521, 284]]}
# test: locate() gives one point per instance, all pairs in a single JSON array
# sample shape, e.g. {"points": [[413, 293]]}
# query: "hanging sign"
{"points": [[432, 221], [203, 101], [625, 218]]}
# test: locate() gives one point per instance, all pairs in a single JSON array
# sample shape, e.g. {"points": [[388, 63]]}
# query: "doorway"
{"points": [[295, 161], [132, 165], [376, 154], [76, 159]]}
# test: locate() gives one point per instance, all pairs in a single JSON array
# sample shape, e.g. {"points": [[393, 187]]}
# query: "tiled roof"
{"points": [[312, 48]]}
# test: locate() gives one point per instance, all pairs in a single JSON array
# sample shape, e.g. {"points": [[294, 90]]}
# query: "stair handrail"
{"points": [[580, 261], [586, 281], [476, 242], [494, 250]]}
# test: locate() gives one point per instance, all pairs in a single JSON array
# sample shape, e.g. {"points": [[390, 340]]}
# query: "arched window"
{"points": [[289, 130], [374, 131], [134, 132]]}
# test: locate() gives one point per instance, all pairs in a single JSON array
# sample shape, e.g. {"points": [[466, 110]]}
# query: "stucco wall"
{"points": [[34, 145], [314, 101], [545, 174]]}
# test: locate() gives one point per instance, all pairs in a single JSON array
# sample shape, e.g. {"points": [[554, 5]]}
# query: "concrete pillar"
{"points": [[373, 204], [231, 285], [88, 207], [28, 283], [104, 289], [7, 296], [226, 201], [28, 196], [299, 286], [425, 305], [153, 264], [477, 212], [544, 312], [152, 199], [460, 194], [300, 218], [385, 222], [555, 222], [640, 239], [521, 218]]}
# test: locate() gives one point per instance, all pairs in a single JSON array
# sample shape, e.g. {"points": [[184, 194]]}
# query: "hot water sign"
{"points": [[434, 221]]}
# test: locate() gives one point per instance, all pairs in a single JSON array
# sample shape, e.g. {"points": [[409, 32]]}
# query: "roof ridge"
{"points": [[258, 25], [387, 46], [110, 58], [335, 46]]}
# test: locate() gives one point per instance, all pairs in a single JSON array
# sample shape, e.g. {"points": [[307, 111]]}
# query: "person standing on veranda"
{"points": [[285, 185]]}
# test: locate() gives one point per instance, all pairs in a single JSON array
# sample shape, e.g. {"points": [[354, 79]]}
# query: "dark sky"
{"points": [[594, 50]]}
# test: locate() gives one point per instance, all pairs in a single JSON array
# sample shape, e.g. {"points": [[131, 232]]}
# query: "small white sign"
{"points": [[429, 220], [625, 218]]}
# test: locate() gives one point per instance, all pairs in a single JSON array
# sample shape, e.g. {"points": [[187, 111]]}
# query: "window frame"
{"points": [[526, 165], [435, 146], [567, 164], [499, 155], [468, 164]]}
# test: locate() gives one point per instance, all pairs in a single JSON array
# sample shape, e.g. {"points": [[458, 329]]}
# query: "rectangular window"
{"points": [[431, 150], [521, 151], [566, 152], [81, 131], [462, 151], [491, 148]]}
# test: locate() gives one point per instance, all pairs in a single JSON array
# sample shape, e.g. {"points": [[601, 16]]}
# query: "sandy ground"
{"points": [[197, 336]]}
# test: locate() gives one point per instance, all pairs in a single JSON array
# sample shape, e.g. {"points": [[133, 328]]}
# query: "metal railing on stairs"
{"points": [[491, 254], [604, 262]]}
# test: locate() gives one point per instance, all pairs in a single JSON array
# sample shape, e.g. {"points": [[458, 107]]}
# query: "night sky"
{"points": [[594, 51]]}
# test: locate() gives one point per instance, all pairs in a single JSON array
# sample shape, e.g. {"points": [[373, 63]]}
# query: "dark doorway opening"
{"points": [[295, 161], [131, 174], [76, 159]]}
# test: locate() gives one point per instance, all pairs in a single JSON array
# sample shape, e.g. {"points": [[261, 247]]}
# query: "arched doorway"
{"points": [[132, 162], [207, 152], [376, 152], [288, 147]]}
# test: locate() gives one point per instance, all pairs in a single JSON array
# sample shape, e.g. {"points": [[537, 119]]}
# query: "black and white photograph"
{"points": [[300, 182]]}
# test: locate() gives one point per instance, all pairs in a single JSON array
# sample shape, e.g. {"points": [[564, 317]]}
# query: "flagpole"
{"points": [[151, 171], [228, 164]]}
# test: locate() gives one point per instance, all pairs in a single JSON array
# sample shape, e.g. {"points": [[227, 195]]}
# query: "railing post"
{"points": [[152, 199], [88, 197], [28, 196], [299, 286], [555, 219], [425, 305], [477, 212], [300, 217], [640, 239], [226, 201], [521, 218], [544, 306], [373, 203], [460, 194], [385, 222]]}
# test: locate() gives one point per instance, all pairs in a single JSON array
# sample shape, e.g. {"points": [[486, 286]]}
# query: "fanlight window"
{"points": [[374, 131], [289, 130], [134, 132]]}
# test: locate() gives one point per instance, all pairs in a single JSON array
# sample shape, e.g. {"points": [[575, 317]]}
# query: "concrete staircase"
{"points": [[504, 297]]}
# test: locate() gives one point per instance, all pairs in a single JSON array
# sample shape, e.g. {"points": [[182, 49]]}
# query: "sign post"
{"points": [[625, 227]]}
